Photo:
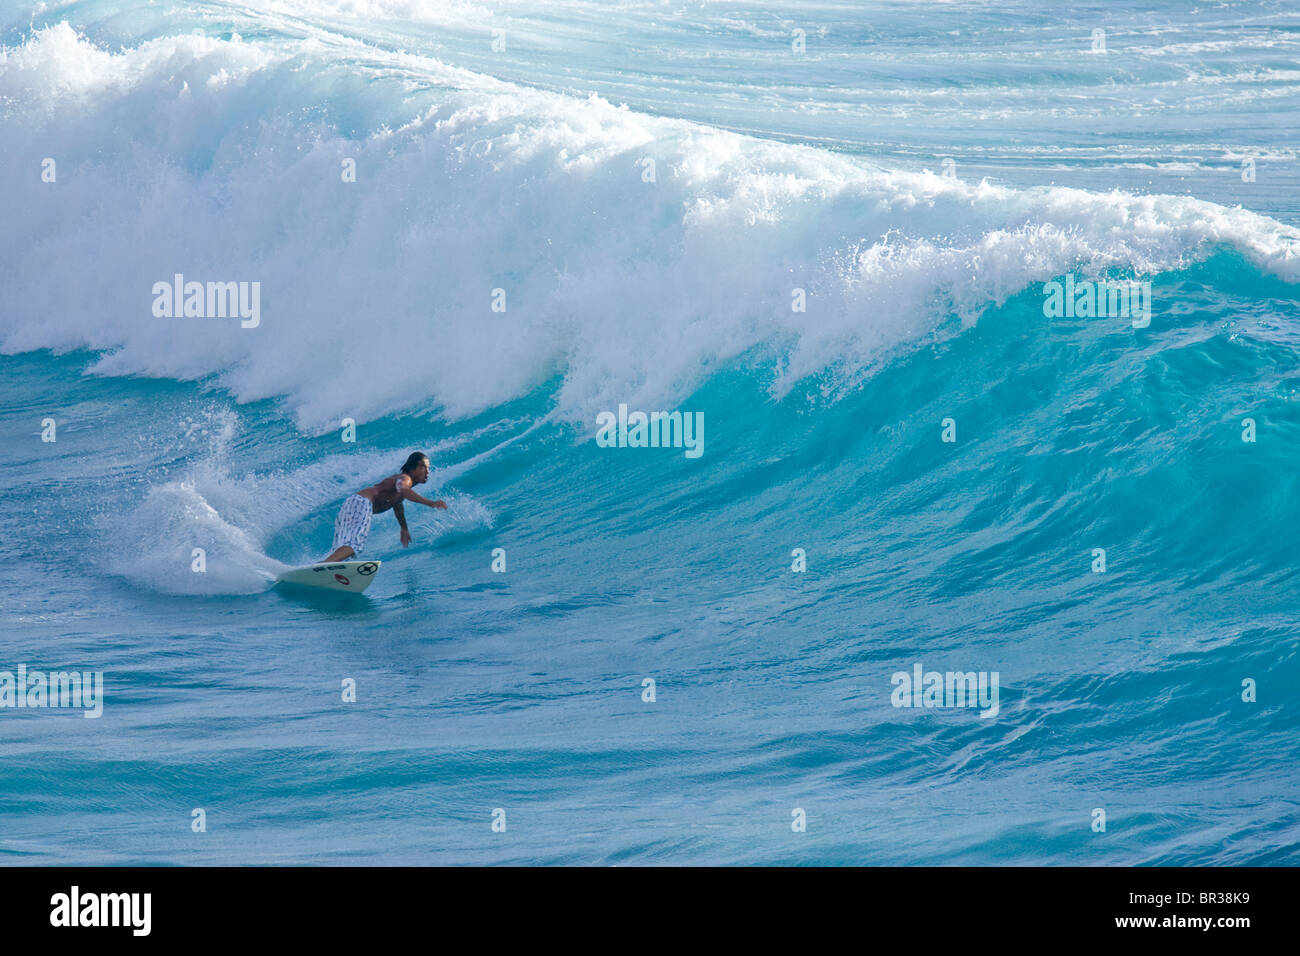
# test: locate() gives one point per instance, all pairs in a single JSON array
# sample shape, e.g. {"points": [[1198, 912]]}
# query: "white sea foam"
{"points": [[190, 154]]}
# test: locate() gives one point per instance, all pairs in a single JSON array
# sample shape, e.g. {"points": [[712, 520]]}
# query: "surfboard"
{"points": [[354, 576]]}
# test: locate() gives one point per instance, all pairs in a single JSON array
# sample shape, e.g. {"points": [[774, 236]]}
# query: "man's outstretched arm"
{"points": [[410, 494]]}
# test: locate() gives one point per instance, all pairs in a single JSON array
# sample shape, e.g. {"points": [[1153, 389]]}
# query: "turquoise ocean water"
{"points": [[648, 183]]}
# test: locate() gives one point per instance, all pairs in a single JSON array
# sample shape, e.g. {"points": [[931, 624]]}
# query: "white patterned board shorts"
{"points": [[352, 526]]}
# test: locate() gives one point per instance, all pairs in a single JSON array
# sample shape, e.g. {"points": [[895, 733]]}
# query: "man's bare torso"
{"points": [[383, 495]]}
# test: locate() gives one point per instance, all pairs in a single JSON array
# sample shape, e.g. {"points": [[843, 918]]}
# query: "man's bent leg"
{"points": [[351, 528]]}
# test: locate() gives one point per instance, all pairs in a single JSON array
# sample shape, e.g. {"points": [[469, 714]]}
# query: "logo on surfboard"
{"points": [[342, 580], [368, 568]]}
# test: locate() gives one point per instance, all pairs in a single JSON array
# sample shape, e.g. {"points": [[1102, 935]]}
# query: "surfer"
{"points": [[353, 523]]}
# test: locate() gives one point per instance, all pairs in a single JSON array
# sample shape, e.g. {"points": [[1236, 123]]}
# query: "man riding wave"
{"points": [[352, 526]]}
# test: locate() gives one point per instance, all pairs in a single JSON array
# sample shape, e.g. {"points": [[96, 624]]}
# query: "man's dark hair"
{"points": [[413, 462]]}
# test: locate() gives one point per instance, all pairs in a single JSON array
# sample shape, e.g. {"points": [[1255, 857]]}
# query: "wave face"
{"points": [[842, 259]]}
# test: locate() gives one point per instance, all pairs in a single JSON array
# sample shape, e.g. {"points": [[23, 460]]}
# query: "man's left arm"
{"points": [[400, 512]]}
